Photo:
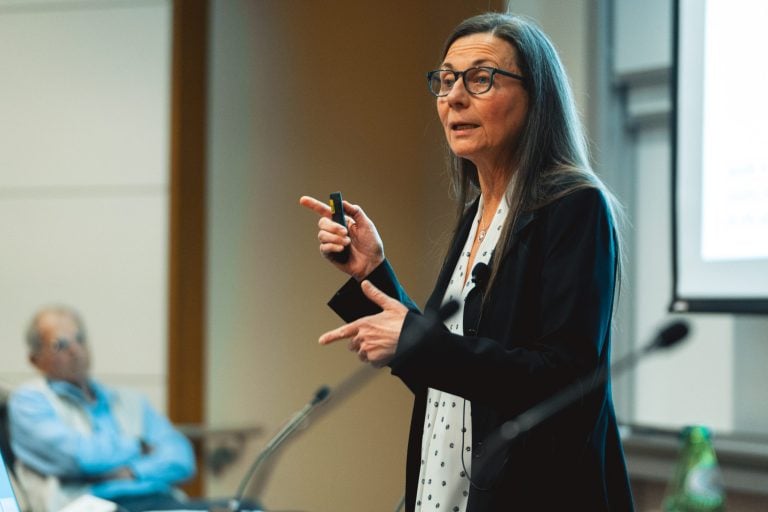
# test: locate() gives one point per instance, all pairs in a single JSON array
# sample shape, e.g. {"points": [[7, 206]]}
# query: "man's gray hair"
{"points": [[33, 336]]}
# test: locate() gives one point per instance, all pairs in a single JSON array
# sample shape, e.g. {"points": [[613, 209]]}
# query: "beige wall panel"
{"points": [[83, 179], [84, 94], [104, 255], [152, 386]]}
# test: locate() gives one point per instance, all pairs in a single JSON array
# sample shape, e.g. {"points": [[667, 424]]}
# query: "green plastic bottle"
{"points": [[697, 483]]}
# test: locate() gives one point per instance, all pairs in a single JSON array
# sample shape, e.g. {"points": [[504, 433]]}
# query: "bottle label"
{"points": [[704, 486]]}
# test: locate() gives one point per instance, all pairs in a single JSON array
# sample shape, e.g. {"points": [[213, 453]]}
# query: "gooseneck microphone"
{"points": [[319, 397], [480, 275], [446, 311], [487, 464]]}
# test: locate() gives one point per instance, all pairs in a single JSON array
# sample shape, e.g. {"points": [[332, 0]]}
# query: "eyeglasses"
{"points": [[61, 344], [477, 80]]}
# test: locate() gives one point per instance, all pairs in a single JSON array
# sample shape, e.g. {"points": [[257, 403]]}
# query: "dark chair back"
{"points": [[5, 436]]}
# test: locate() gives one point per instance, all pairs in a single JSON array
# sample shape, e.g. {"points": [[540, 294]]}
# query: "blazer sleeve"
{"points": [[350, 303], [572, 308]]}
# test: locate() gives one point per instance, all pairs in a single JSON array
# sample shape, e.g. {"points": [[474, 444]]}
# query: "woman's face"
{"points": [[484, 128]]}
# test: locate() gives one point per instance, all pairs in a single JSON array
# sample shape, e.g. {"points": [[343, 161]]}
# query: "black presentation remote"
{"points": [[337, 215]]}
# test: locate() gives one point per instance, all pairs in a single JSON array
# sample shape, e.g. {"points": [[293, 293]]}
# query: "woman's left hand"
{"points": [[374, 337]]}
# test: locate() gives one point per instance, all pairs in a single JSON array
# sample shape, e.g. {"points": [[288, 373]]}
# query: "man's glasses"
{"points": [[60, 344], [477, 80]]}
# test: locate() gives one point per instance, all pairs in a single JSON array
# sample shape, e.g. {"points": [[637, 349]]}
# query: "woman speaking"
{"points": [[533, 266]]}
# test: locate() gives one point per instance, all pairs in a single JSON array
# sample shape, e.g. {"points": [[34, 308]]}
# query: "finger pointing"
{"points": [[340, 333], [316, 206]]}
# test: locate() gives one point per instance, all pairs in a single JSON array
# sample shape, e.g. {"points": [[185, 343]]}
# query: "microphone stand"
{"points": [[341, 391], [348, 386], [320, 395]]}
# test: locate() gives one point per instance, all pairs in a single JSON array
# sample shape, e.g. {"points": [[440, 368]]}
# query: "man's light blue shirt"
{"points": [[45, 443]]}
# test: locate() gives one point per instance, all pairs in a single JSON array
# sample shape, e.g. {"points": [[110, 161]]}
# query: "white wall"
{"points": [[713, 378], [565, 22], [84, 98]]}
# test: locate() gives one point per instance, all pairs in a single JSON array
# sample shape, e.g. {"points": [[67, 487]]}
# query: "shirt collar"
{"points": [[68, 390]]}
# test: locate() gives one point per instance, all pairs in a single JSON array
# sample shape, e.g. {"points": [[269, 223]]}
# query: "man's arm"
{"points": [[42, 441], [168, 455]]}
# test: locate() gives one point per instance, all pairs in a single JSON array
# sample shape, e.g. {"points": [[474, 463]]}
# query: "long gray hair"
{"points": [[552, 154]]}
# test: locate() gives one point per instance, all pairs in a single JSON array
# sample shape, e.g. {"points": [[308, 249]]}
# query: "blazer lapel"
{"points": [[525, 219], [457, 244]]}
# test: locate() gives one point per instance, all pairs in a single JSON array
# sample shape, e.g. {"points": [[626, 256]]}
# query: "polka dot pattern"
{"points": [[442, 479]]}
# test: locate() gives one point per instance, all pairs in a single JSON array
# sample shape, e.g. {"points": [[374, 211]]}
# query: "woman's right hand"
{"points": [[366, 249]]}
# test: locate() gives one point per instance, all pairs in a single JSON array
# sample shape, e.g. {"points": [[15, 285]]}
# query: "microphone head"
{"points": [[480, 274], [447, 310], [320, 395], [672, 334]]}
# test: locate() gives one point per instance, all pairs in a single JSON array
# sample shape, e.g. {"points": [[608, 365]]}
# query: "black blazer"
{"points": [[544, 324]]}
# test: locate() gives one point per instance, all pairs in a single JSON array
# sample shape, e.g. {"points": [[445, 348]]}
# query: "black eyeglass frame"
{"points": [[462, 74]]}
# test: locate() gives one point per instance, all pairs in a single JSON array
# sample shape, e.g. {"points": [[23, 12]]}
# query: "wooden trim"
{"points": [[187, 265]]}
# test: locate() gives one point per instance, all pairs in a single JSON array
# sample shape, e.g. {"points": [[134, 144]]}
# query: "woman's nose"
{"points": [[458, 93]]}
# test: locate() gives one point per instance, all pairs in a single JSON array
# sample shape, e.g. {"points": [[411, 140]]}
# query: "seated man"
{"points": [[73, 435]]}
